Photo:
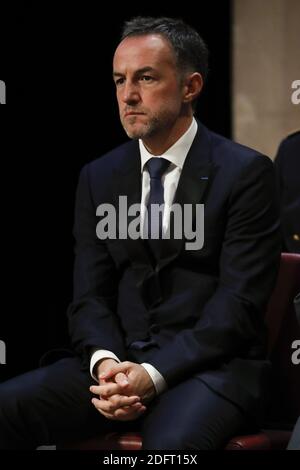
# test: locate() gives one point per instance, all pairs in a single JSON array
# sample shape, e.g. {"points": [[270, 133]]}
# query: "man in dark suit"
{"points": [[172, 332], [287, 165]]}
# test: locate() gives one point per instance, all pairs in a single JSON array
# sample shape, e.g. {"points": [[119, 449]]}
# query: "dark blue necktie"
{"points": [[156, 167]]}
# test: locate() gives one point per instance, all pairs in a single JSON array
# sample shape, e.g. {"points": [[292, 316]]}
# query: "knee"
{"points": [[5, 399], [9, 403], [15, 400], [16, 428]]}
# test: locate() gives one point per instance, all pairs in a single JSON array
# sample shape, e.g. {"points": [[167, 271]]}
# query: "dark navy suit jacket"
{"points": [[201, 310]]}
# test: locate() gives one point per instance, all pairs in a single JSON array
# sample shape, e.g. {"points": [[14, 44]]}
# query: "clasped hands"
{"points": [[123, 390]]}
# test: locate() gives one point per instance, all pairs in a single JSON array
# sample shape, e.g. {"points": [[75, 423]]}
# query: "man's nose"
{"points": [[130, 93]]}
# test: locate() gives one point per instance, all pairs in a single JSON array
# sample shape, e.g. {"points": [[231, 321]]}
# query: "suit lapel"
{"points": [[194, 180], [128, 182]]}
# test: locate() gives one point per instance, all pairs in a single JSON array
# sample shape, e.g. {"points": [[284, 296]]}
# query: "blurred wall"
{"points": [[266, 60]]}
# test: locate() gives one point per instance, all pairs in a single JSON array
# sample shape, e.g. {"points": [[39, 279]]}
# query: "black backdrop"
{"points": [[62, 114]]}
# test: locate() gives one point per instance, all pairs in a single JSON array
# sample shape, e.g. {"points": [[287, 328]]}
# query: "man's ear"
{"points": [[193, 84]]}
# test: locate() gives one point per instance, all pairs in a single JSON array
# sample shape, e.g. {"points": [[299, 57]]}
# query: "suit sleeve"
{"points": [[93, 323], [231, 322]]}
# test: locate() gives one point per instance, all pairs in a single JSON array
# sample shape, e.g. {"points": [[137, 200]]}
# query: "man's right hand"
{"points": [[117, 404]]}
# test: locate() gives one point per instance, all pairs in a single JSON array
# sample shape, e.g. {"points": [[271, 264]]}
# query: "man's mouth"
{"points": [[133, 113]]}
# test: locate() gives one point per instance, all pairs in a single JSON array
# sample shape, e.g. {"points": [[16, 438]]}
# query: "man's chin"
{"points": [[135, 133]]}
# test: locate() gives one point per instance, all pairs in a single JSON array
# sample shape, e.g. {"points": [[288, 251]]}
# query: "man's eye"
{"points": [[119, 81], [146, 78]]}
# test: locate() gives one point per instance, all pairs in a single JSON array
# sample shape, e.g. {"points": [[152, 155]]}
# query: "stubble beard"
{"points": [[154, 126], [144, 130]]}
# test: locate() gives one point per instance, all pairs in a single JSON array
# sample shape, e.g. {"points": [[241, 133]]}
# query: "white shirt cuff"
{"points": [[159, 382], [97, 356]]}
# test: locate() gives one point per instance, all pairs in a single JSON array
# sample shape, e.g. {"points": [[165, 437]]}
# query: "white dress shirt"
{"points": [[176, 155]]}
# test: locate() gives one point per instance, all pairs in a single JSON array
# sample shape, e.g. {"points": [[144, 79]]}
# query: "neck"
{"points": [[161, 142]]}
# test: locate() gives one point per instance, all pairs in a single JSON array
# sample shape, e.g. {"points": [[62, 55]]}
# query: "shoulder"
{"points": [[103, 168], [233, 156], [113, 158]]}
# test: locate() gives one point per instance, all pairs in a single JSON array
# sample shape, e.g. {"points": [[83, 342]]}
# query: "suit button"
{"points": [[154, 328], [296, 237]]}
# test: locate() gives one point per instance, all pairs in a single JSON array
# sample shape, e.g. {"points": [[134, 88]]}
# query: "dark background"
{"points": [[62, 114]]}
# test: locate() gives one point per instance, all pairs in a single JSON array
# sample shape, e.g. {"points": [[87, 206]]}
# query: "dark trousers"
{"points": [[52, 404]]}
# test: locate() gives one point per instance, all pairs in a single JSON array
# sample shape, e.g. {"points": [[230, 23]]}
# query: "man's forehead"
{"points": [[143, 51]]}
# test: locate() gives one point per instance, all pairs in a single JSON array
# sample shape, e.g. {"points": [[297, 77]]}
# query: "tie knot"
{"points": [[157, 166]]}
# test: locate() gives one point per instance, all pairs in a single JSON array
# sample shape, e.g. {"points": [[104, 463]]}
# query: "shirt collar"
{"points": [[178, 152]]}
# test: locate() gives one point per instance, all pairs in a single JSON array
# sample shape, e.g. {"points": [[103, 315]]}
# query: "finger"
{"points": [[112, 371], [124, 414], [104, 381], [110, 406], [118, 401], [106, 390], [108, 415], [121, 379], [126, 417], [129, 414], [128, 410], [104, 406]]}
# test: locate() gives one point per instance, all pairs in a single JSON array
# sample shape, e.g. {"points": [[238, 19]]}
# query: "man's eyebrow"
{"points": [[137, 72]]}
